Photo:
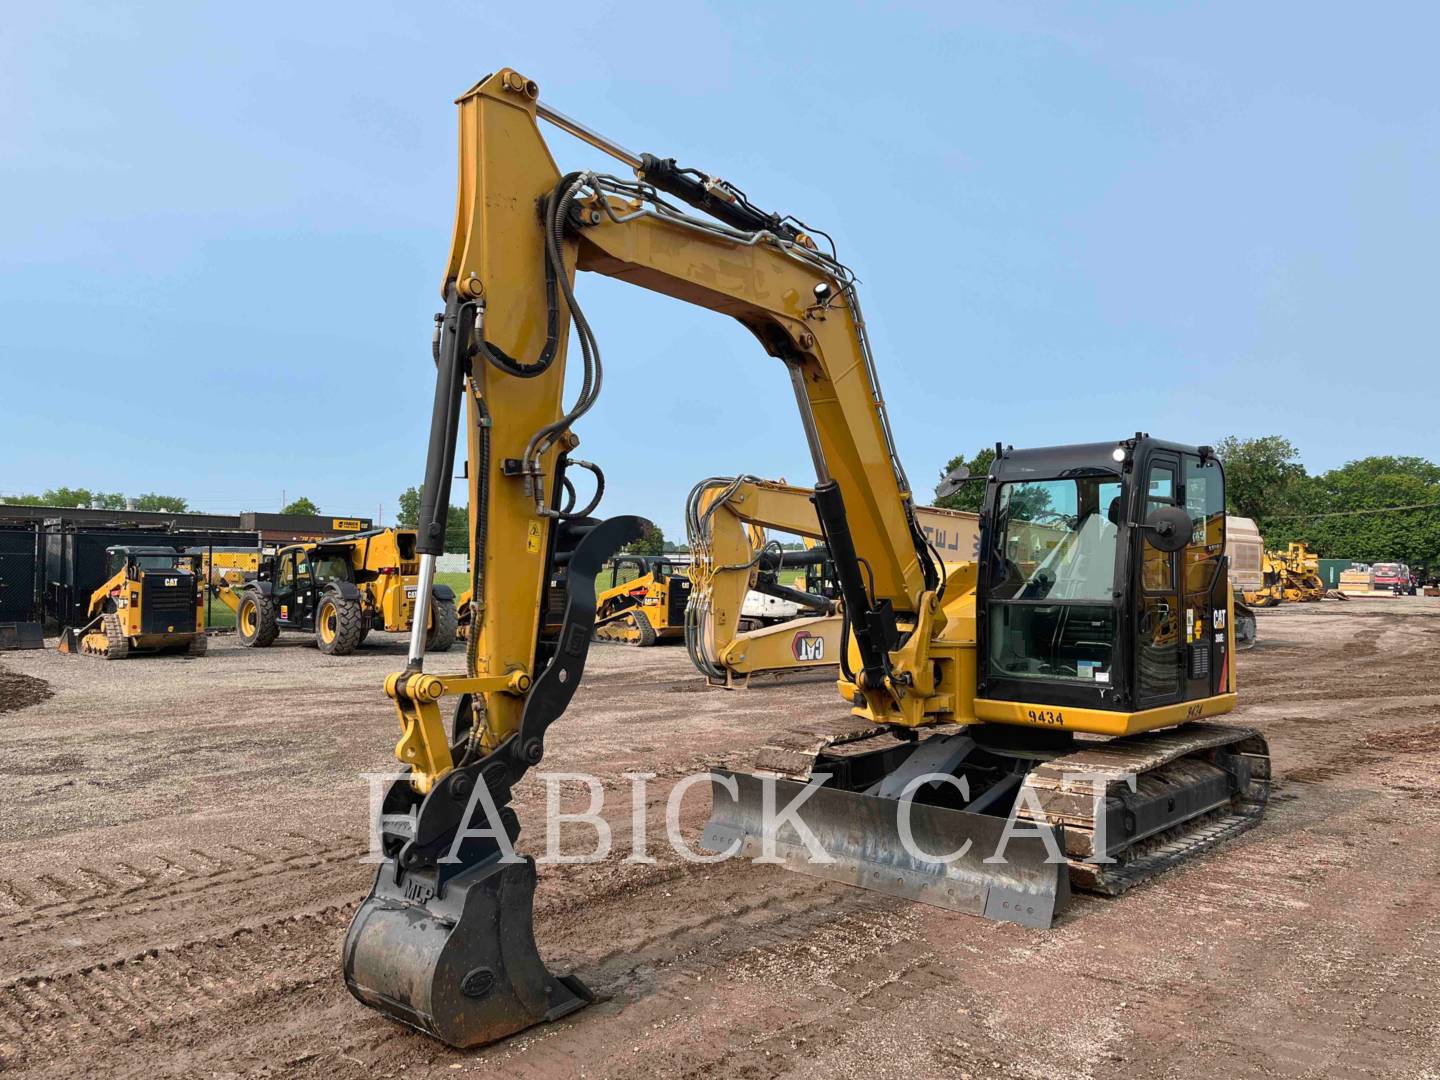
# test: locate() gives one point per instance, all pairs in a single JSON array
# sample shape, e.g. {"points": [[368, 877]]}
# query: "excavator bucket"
{"points": [[460, 965], [934, 854]]}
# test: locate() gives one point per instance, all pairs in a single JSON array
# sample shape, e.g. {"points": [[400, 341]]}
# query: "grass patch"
{"points": [[456, 580], [217, 615]]}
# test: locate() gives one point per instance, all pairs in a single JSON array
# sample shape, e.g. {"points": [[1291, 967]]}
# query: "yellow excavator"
{"points": [[1007, 726], [734, 559]]}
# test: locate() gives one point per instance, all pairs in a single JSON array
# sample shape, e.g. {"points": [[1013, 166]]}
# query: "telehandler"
{"points": [[1083, 651], [152, 602], [339, 590]]}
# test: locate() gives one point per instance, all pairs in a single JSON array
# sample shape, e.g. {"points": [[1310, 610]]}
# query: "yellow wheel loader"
{"points": [[645, 601], [152, 602], [1040, 716], [339, 590]]}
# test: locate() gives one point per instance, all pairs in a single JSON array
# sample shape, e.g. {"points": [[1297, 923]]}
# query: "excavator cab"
{"points": [[1102, 594]]}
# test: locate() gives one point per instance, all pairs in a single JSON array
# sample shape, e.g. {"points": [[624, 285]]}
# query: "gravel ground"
{"points": [[182, 839]]}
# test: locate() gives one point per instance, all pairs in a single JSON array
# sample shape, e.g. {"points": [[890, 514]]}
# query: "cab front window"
{"points": [[1054, 579]]}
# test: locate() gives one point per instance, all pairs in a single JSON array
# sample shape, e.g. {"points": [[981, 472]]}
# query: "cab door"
{"points": [[284, 591], [1204, 581], [1158, 626], [307, 594]]}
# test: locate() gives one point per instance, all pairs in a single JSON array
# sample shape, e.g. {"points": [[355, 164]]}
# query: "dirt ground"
{"points": [[181, 842]]}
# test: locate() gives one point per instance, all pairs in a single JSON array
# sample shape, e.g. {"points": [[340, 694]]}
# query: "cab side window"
{"points": [[285, 580], [1156, 573]]}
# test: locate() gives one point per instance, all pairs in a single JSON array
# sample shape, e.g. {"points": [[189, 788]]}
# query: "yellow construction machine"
{"points": [[339, 590], [232, 566], [726, 519], [1007, 725], [152, 602], [1290, 576], [735, 563], [644, 602], [1299, 574]]}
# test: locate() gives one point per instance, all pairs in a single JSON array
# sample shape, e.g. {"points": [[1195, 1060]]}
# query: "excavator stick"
{"points": [[445, 941], [866, 844]]}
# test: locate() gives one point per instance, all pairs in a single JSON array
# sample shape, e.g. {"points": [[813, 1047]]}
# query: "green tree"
{"points": [[1377, 509], [457, 531], [1263, 476], [651, 542], [169, 504], [72, 497], [971, 493], [301, 505], [457, 521], [409, 514]]}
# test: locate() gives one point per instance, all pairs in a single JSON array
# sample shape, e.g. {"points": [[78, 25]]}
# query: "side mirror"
{"points": [[951, 481], [1167, 529]]}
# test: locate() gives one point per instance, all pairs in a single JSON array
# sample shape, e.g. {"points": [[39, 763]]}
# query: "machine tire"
{"points": [[339, 624], [443, 625], [255, 624], [199, 646]]}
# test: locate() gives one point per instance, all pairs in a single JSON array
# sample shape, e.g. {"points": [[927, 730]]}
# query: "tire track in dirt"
{"points": [[166, 901]]}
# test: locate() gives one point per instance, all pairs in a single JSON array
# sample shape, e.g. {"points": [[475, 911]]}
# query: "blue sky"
{"points": [[223, 229]]}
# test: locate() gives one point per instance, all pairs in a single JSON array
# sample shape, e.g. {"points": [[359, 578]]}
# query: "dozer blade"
{"points": [[862, 836], [460, 965]]}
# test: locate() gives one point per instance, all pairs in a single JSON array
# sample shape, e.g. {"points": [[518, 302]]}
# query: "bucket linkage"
{"points": [[445, 942]]}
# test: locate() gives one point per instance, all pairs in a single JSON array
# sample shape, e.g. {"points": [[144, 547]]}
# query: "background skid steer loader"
{"points": [[152, 602], [645, 601]]}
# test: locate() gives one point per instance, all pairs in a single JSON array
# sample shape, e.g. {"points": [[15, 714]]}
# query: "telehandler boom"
{"points": [[1099, 604]]}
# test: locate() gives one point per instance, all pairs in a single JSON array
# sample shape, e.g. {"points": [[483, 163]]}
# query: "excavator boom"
{"points": [[522, 230]]}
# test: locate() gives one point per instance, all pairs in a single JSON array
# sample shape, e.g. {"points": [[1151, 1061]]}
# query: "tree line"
{"points": [[104, 500], [1383, 508], [151, 501]]}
